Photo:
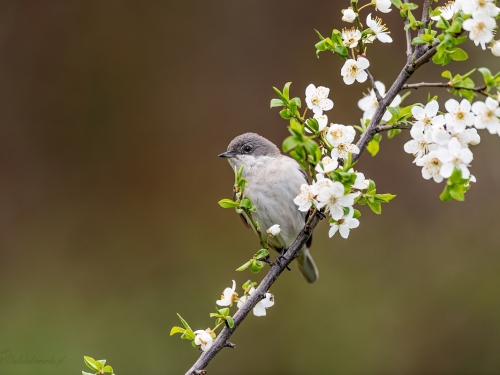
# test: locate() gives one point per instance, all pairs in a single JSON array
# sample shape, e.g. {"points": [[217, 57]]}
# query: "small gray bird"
{"points": [[274, 180]]}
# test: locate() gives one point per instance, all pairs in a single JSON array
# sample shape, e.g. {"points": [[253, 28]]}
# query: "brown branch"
{"points": [[383, 128], [418, 58], [479, 89], [425, 17], [222, 339], [375, 89]]}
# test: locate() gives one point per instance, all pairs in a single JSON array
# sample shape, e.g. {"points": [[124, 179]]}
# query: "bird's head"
{"points": [[248, 149]]}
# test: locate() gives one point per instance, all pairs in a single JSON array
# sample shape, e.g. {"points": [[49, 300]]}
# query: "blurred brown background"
{"points": [[112, 114]]}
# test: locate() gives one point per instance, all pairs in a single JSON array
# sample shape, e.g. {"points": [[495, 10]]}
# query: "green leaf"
{"points": [[261, 254], [228, 203], [311, 146], [184, 323], [458, 54], [245, 266], [385, 197], [91, 363], [393, 132], [397, 3], [246, 203], [375, 206], [374, 145], [290, 143], [230, 321], [313, 124], [108, 369], [281, 96], [188, 335], [87, 373], [257, 265], [277, 103], [286, 114], [445, 195], [175, 330], [447, 74], [297, 102], [286, 90], [356, 214], [102, 361], [457, 193]]}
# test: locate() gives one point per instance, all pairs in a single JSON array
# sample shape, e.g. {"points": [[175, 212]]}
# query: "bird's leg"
{"points": [[280, 258]]}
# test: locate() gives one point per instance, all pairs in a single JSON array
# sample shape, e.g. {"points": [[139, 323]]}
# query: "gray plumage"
{"points": [[274, 180]]}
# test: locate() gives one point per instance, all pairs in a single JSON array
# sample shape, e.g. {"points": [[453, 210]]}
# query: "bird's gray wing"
{"points": [[242, 217]]}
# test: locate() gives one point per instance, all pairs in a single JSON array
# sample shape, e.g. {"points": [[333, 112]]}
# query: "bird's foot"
{"points": [[280, 259]]}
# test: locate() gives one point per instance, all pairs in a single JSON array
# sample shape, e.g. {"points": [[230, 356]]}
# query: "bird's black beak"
{"points": [[227, 155]]}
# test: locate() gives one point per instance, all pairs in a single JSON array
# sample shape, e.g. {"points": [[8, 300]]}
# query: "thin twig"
{"points": [[383, 128], [375, 89], [478, 89], [425, 17]]}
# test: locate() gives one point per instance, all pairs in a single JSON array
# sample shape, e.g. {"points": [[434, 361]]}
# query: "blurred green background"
{"points": [[112, 114]]}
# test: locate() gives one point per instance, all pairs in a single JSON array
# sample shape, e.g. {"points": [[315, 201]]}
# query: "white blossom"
{"points": [[426, 118], [332, 197], [447, 11], [338, 133], [480, 8], [274, 230], [369, 103], [431, 166], [204, 339], [261, 306], [317, 99], [467, 137], [344, 224], [322, 121], [329, 165], [343, 150], [495, 47], [480, 29], [228, 296], [360, 183], [419, 146], [454, 156], [351, 37], [487, 114], [383, 6], [459, 116], [349, 15], [305, 199], [354, 70], [379, 29]]}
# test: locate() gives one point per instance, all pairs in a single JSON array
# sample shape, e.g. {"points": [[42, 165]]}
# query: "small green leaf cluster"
{"points": [[456, 187], [447, 41], [222, 316], [334, 44], [373, 199], [405, 10], [257, 262], [97, 366], [464, 86]]}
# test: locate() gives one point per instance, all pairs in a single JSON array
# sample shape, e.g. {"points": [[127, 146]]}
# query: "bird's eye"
{"points": [[247, 148]]}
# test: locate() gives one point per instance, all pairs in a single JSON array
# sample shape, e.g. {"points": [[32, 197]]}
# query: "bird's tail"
{"points": [[306, 266]]}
